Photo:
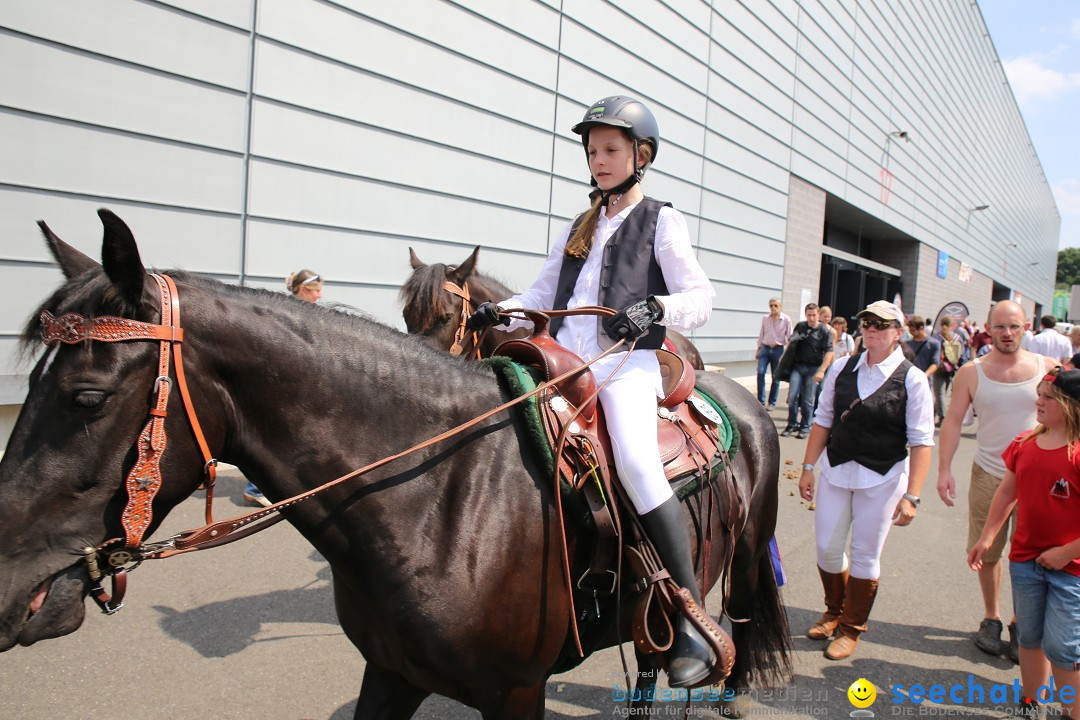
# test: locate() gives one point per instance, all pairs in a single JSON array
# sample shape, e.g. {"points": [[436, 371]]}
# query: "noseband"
{"points": [[144, 480], [462, 291]]}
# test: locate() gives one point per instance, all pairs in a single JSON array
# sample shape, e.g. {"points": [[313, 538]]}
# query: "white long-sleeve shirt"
{"points": [[687, 305]]}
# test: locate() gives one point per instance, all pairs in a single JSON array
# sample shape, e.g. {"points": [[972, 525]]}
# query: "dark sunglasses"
{"points": [[867, 323]]}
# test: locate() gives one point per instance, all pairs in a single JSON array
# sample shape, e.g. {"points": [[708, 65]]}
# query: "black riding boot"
{"points": [[689, 660]]}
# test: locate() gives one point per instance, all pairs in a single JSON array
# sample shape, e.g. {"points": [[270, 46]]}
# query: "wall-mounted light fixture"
{"points": [[900, 134], [980, 208]]}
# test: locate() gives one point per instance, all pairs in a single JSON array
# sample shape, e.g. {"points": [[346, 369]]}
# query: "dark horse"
{"points": [[425, 583], [432, 311]]}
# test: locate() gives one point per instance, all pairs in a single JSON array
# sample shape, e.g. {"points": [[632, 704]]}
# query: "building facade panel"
{"points": [[765, 156], [50, 80], [54, 155], [168, 237], [650, 76], [536, 21], [474, 36], [237, 13], [332, 31], [283, 192], [445, 125], [331, 88], [300, 138], [143, 34]]}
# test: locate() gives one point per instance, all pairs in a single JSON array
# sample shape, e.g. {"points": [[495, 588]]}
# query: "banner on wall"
{"points": [[957, 310], [942, 264], [1062, 300], [965, 272]]}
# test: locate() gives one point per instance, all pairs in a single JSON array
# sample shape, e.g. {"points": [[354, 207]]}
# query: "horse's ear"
{"points": [[416, 262], [465, 270], [72, 262], [120, 258]]}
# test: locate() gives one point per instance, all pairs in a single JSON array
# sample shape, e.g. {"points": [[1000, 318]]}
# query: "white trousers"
{"points": [[629, 403], [865, 515]]}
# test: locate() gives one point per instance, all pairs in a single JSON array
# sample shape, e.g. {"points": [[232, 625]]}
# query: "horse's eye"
{"points": [[89, 398], [446, 319]]}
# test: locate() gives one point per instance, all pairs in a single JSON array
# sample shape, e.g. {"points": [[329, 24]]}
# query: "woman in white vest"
{"points": [[874, 407], [633, 253]]}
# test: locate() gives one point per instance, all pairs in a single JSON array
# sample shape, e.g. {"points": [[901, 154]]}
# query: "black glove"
{"points": [[634, 321], [486, 315]]}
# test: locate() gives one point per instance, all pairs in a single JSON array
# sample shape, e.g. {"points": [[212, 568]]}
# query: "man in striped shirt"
{"points": [[772, 339]]}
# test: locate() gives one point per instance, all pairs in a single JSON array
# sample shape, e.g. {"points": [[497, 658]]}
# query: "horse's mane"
{"points": [[91, 294], [421, 295]]}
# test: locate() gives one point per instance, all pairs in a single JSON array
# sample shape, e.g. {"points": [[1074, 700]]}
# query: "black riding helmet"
{"points": [[622, 112]]}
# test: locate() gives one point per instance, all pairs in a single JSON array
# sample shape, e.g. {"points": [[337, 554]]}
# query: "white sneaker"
{"points": [[257, 499]]}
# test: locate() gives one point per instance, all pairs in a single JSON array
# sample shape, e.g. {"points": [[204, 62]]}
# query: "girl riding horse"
{"points": [[631, 252]]}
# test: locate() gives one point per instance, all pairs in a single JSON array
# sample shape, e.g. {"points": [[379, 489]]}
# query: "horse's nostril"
{"points": [[39, 596]]}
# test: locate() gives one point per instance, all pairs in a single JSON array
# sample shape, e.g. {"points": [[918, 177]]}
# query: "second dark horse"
{"points": [[435, 313]]}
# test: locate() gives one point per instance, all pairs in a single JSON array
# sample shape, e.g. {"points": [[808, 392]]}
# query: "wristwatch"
{"points": [[913, 499], [808, 466]]}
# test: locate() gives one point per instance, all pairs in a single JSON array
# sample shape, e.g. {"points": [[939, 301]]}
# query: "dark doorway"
{"points": [[848, 287]]}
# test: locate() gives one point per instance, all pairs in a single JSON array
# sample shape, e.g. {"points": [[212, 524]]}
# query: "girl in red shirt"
{"points": [[1043, 482]]}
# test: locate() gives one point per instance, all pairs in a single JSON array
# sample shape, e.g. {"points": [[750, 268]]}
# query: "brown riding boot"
{"points": [[857, 603], [835, 585]]}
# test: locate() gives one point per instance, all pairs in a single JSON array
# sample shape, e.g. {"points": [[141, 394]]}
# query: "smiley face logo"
{"points": [[862, 693]]}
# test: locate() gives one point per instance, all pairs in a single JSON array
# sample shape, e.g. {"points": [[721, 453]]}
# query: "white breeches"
{"points": [[864, 514], [629, 403]]}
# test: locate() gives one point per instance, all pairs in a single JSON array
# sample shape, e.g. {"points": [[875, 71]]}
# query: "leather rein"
{"points": [[116, 557]]}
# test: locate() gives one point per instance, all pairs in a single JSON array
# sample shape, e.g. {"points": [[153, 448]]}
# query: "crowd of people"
{"points": [[872, 433]]}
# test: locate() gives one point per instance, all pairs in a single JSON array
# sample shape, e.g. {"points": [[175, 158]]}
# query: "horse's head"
{"points": [[430, 309], [62, 476]]}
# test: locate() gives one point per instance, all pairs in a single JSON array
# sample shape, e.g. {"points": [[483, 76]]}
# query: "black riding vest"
{"points": [[629, 273], [874, 432]]}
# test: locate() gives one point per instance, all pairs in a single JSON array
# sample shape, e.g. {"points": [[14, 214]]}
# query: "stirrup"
{"points": [[714, 636]]}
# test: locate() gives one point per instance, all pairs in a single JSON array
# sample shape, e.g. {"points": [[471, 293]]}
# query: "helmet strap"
{"points": [[619, 190]]}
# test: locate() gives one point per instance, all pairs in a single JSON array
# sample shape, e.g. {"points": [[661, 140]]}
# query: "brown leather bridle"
{"points": [[462, 291], [144, 480]]}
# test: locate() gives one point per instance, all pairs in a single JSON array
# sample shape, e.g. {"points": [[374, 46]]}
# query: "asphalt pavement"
{"points": [[249, 631]]}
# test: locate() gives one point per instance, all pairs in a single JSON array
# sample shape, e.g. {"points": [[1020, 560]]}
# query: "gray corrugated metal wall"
{"points": [[245, 139]]}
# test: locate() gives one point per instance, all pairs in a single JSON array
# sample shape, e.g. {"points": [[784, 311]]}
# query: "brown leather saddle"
{"points": [[690, 448]]}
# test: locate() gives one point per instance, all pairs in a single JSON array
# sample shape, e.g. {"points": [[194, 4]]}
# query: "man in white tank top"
{"points": [[1001, 386]]}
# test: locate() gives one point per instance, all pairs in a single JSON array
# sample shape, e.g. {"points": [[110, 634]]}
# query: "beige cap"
{"points": [[884, 309]]}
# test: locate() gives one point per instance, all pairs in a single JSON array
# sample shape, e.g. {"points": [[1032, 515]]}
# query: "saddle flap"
{"points": [[688, 441]]}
